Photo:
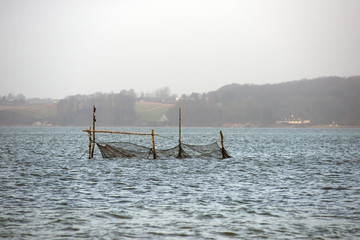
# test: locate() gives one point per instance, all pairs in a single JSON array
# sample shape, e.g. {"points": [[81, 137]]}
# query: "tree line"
{"points": [[115, 109], [322, 101]]}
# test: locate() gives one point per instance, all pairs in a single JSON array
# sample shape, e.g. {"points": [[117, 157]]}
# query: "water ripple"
{"points": [[280, 184]]}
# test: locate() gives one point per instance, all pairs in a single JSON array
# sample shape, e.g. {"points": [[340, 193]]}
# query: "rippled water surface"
{"points": [[279, 184]]}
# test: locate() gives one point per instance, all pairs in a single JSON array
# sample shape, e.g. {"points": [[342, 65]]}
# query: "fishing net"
{"points": [[131, 150]]}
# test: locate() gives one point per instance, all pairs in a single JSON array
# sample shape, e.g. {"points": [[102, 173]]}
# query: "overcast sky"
{"points": [[59, 48]]}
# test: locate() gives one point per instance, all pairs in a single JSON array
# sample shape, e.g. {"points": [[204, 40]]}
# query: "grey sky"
{"points": [[65, 47]]}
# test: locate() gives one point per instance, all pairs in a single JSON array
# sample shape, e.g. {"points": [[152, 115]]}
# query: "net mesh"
{"points": [[131, 150]]}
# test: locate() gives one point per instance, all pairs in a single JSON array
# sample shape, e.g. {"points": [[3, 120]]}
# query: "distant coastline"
{"points": [[328, 102]]}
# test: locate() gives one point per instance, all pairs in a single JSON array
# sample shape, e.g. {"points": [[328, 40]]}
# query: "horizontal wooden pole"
{"points": [[99, 131]]}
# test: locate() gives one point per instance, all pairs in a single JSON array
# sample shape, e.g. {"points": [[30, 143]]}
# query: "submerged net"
{"points": [[131, 150]]}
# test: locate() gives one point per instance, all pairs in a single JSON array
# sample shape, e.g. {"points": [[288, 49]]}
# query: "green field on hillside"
{"points": [[151, 111], [27, 114]]}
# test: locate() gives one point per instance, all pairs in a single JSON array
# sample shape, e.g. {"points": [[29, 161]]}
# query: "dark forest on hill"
{"points": [[114, 109], [322, 101]]}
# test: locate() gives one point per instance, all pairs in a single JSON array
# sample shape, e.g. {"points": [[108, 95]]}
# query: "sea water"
{"points": [[279, 184]]}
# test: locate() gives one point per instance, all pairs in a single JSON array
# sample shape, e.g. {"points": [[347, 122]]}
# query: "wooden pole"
{"points": [[153, 144], [180, 149], [93, 133], [222, 144], [130, 133], [89, 143], [180, 127]]}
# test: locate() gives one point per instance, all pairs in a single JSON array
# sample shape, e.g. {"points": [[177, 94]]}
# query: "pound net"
{"points": [[131, 150]]}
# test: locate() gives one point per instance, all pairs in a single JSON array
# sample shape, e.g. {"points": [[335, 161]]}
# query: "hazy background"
{"points": [[60, 48]]}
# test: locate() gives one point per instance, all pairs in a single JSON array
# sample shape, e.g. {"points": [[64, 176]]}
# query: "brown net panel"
{"points": [[131, 150]]}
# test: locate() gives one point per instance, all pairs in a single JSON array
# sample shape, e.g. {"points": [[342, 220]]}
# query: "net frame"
{"points": [[131, 150]]}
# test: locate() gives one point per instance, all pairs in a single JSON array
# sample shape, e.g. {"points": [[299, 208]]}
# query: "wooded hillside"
{"points": [[321, 101]]}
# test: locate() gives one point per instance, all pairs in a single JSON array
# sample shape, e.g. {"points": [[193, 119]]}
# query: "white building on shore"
{"points": [[293, 121]]}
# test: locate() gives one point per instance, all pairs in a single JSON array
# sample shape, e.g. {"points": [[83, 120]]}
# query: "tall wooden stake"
{"points": [[89, 142], [153, 144], [222, 144], [180, 127], [93, 134], [180, 149]]}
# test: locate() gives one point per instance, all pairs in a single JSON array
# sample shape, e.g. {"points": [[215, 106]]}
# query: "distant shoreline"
{"points": [[224, 126]]}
